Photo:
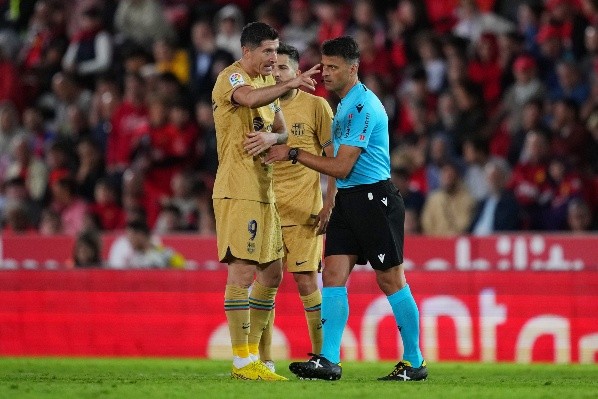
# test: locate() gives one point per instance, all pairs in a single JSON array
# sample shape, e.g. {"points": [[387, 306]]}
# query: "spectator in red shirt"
{"points": [[485, 70], [529, 177], [373, 58], [105, 208], [128, 118]]}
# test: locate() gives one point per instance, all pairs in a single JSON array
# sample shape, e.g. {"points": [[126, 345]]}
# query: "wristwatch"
{"points": [[293, 154]]}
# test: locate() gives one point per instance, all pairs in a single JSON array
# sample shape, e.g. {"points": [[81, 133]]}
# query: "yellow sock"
{"points": [[312, 304], [236, 308], [261, 303], [265, 346]]}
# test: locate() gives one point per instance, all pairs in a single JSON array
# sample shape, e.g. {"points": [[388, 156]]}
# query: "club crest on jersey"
{"points": [[297, 129], [236, 79]]}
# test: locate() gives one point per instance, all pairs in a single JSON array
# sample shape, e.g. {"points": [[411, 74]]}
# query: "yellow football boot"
{"points": [[256, 371]]}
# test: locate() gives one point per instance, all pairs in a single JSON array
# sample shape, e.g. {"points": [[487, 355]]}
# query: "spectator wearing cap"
{"points": [[527, 86], [90, 50], [449, 209]]}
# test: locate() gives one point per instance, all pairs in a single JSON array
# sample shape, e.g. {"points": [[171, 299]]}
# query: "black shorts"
{"points": [[368, 221]]}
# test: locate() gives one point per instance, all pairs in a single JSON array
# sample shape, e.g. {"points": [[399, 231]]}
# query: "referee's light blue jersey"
{"points": [[361, 121]]}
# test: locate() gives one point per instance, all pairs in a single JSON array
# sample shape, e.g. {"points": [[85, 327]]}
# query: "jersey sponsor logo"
{"points": [[366, 123], [236, 79], [359, 107], [258, 123], [298, 129], [348, 128]]}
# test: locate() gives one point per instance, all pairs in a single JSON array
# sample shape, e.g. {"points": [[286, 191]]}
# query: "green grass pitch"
{"points": [[188, 378]]}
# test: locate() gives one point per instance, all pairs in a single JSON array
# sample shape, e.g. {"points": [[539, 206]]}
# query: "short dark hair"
{"points": [[139, 226], [255, 32], [344, 47], [292, 52]]}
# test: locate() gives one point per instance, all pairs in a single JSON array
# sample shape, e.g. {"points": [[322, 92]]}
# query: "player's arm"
{"points": [[251, 97], [339, 166], [324, 215], [258, 142]]}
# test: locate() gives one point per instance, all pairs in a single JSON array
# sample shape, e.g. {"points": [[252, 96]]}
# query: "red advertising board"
{"points": [[518, 252], [520, 316]]}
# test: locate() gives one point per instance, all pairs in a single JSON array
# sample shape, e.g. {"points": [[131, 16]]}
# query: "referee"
{"points": [[367, 221]]}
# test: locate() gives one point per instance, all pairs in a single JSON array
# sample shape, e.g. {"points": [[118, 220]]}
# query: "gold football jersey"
{"points": [[298, 193], [240, 175]]}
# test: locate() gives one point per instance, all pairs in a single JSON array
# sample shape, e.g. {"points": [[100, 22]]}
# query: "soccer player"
{"points": [[248, 121], [299, 196], [367, 220]]}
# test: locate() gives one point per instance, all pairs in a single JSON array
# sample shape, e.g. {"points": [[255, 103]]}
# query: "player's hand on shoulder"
{"points": [[276, 153]]}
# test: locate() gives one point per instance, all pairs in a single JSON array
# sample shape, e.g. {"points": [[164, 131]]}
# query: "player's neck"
{"points": [[347, 88], [248, 68], [289, 95]]}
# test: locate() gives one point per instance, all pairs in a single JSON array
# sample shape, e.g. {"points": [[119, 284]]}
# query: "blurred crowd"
{"points": [[106, 119]]}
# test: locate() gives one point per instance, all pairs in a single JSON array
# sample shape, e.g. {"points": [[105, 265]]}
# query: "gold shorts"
{"points": [[248, 230], [303, 248]]}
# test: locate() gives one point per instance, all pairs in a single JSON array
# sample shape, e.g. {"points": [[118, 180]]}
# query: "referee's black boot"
{"points": [[403, 371], [318, 367]]}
